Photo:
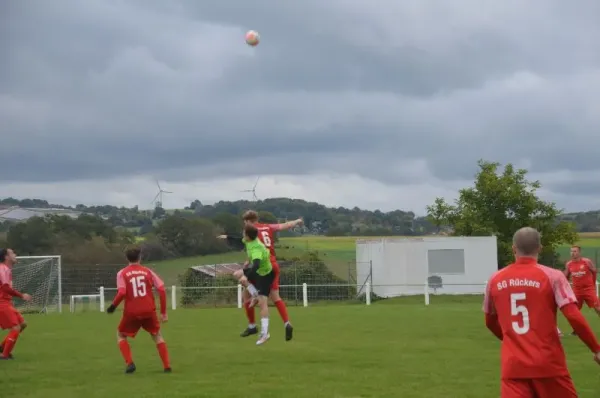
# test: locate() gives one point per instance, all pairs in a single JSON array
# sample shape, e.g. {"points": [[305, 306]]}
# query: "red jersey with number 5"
{"points": [[582, 275], [138, 282], [525, 296], [266, 234]]}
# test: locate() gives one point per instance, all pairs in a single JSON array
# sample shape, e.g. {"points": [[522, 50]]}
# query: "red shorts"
{"points": [[275, 284], [589, 298], [553, 387], [10, 317], [131, 324]]}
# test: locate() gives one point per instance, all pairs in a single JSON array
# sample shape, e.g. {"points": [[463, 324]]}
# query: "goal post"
{"points": [[41, 277]]}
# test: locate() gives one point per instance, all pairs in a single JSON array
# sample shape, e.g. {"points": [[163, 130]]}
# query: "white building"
{"points": [[450, 265]]}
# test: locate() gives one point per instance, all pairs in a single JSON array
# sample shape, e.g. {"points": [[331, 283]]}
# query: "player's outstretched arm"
{"points": [[235, 241], [286, 225]]}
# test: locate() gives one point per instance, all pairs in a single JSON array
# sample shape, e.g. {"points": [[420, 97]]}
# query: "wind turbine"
{"points": [[253, 190], [158, 199]]}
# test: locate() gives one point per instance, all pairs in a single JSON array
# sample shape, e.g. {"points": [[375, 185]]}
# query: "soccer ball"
{"points": [[252, 38]]}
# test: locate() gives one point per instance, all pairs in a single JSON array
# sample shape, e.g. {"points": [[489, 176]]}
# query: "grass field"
{"points": [[337, 252], [398, 348]]}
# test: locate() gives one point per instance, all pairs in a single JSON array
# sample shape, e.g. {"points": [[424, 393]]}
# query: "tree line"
{"points": [[500, 201]]}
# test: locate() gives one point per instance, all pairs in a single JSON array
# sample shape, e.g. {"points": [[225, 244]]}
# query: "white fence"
{"points": [[425, 290]]}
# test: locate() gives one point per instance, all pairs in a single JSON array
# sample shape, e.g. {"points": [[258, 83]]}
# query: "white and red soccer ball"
{"points": [[252, 38]]}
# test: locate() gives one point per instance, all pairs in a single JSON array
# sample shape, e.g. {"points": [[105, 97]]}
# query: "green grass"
{"points": [[396, 348]]}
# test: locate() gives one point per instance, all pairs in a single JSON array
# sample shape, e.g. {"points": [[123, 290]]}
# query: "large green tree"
{"points": [[501, 201]]}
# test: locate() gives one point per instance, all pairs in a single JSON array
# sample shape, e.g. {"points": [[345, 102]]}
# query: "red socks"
{"points": [[161, 347], [250, 313], [164, 354], [282, 311], [9, 343], [125, 351]]}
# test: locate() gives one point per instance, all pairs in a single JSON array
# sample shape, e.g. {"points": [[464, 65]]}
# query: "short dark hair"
{"points": [[133, 255], [250, 215], [251, 232], [3, 254]]}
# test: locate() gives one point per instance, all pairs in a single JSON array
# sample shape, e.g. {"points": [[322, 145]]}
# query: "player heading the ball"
{"points": [[10, 318], [520, 306], [266, 234], [259, 276], [134, 285]]}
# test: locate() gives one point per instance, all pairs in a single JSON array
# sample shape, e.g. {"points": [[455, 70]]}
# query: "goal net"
{"points": [[39, 276]]}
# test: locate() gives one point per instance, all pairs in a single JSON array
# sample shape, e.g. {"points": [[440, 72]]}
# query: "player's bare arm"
{"points": [[288, 225]]}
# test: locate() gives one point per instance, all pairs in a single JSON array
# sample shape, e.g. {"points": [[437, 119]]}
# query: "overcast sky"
{"points": [[377, 104]]}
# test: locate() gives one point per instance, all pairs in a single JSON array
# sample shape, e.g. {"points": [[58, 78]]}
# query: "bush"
{"points": [[207, 289]]}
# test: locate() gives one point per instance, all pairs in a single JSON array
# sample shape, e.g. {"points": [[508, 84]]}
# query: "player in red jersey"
{"points": [[520, 306], [134, 285], [10, 318], [266, 234], [583, 274]]}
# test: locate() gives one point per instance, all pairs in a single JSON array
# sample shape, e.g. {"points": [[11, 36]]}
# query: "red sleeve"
{"points": [[162, 296], [121, 293], [9, 290], [581, 327], [491, 321], [162, 293], [121, 289]]}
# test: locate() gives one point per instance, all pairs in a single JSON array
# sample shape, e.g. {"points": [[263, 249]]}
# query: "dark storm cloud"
{"points": [[102, 89]]}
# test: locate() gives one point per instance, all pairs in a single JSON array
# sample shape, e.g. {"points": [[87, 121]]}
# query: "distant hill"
{"points": [[319, 219]]}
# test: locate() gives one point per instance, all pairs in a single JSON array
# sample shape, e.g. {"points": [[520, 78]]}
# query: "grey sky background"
{"points": [[375, 104]]}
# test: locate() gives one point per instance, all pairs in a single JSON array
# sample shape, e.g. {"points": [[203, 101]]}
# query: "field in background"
{"points": [[337, 252], [396, 348]]}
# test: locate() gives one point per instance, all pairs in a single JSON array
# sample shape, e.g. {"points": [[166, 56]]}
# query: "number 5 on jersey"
{"points": [[138, 285], [519, 309], [266, 238]]}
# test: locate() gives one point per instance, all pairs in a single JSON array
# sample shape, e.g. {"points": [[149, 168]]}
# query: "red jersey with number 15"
{"points": [[582, 275], [525, 297], [266, 234], [138, 281]]}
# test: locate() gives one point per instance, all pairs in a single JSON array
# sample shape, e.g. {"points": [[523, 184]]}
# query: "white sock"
{"points": [[252, 290], [251, 326], [286, 323], [264, 326]]}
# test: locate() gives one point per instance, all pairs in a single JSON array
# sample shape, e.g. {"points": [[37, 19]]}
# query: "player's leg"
{"points": [[279, 303], [250, 314], [263, 285], [593, 302], [281, 308], [10, 319], [23, 325], [516, 388], [152, 326], [128, 327], [555, 387]]}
